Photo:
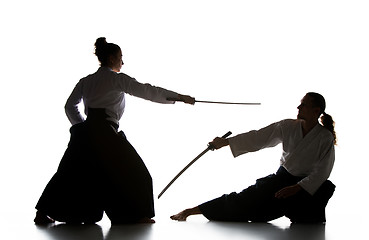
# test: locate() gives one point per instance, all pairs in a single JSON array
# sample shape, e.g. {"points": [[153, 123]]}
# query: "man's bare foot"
{"points": [[146, 220], [182, 216], [42, 219]]}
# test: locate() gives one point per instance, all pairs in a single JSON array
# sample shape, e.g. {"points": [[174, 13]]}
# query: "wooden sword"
{"points": [[201, 101], [210, 147]]}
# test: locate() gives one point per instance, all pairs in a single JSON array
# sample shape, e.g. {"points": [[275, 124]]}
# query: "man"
{"points": [[299, 189]]}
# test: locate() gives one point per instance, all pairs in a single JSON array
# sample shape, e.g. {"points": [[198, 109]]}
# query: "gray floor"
{"points": [[16, 227]]}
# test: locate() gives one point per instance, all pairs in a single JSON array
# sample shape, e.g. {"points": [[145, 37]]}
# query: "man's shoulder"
{"points": [[290, 121]]}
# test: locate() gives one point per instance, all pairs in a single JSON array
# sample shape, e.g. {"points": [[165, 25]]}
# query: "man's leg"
{"points": [[256, 203]]}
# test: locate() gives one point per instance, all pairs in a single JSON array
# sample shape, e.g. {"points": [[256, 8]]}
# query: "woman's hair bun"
{"points": [[103, 50], [100, 43]]}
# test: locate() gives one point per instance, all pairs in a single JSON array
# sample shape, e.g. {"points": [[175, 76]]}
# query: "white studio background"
{"points": [[271, 52]]}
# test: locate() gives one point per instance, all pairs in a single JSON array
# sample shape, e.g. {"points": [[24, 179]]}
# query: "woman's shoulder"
{"points": [[108, 73], [123, 75]]}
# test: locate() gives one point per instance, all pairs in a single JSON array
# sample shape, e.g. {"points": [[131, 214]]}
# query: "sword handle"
{"points": [[227, 134]]}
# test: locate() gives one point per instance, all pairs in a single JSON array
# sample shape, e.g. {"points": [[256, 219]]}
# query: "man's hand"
{"points": [[219, 143], [288, 191]]}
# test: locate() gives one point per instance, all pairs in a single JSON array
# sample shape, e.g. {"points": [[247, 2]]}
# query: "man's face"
{"points": [[306, 109]]}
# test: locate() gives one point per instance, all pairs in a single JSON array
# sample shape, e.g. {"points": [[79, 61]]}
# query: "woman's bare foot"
{"points": [[182, 216], [146, 220], [42, 219]]}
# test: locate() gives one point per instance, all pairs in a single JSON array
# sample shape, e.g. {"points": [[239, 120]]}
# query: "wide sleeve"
{"points": [[71, 106], [321, 170], [145, 90], [255, 140]]}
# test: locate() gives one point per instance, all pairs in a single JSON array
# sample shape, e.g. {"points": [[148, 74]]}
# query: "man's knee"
{"points": [[305, 208]]}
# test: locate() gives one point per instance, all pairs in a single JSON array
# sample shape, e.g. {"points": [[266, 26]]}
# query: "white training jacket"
{"points": [[106, 89], [311, 157]]}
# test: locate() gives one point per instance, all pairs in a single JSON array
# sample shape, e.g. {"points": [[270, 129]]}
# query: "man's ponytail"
{"points": [[326, 119], [328, 123]]}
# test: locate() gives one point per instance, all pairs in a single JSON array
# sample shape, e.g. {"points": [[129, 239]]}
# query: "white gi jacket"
{"points": [[311, 157], [106, 89]]}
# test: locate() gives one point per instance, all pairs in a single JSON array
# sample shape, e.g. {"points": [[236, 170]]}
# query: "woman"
{"points": [[299, 189], [100, 170]]}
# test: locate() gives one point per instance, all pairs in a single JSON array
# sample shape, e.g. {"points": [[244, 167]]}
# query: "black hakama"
{"points": [[100, 171], [258, 203]]}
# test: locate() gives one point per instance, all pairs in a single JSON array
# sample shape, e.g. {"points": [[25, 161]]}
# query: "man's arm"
{"points": [[288, 191]]}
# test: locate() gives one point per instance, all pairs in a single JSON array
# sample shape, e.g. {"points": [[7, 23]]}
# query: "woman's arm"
{"points": [[71, 106], [149, 92]]}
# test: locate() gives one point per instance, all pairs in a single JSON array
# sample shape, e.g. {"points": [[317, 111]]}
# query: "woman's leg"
{"points": [[128, 192], [73, 193]]}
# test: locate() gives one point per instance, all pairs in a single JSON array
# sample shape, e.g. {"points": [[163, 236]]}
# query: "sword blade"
{"points": [[236, 103], [214, 102], [210, 147], [182, 171]]}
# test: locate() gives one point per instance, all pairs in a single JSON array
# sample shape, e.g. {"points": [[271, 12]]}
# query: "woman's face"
{"points": [[117, 61]]}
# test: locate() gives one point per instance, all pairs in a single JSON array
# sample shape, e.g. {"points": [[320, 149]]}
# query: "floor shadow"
{"points": [[306, 231], [129, 232], [73, 232], [94, 232], [221, 230], [270, 231]]}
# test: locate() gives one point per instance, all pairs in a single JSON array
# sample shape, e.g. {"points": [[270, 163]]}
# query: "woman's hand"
{"points": [[288, 191], [187, 99]]}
